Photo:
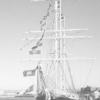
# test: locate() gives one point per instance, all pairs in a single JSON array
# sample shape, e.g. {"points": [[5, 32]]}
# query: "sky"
{"points": [[20, 16]]}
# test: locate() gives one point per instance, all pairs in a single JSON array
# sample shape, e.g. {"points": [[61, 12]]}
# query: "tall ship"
{"points": [[53, 74], [54, 80]]}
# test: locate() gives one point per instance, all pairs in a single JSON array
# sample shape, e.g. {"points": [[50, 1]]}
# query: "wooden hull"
{"points": [[39, 97], [32, 98], [43, 97], [61, 98]]}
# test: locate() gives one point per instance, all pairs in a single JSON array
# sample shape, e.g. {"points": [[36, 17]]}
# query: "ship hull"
{"points": [[43, 97], [33, 98], [62, 98]]}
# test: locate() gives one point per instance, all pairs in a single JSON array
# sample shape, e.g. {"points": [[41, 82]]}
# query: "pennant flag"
{"points": [[38, 44], [34, 52], [34, 47], [29, 73]]}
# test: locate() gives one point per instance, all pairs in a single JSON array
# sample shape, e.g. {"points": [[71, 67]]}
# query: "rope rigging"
{"points": [[43, 23]]}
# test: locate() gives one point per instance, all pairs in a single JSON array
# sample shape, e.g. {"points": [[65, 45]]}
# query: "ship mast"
{"points": [[58, 39]]}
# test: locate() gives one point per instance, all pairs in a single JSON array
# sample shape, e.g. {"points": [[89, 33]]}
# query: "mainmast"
{"points": [[59, 22]]}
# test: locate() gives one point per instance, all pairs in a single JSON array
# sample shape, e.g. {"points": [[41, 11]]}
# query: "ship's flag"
{"points": [[36, 46], [34, 49], [29, 73], [34, 52]]}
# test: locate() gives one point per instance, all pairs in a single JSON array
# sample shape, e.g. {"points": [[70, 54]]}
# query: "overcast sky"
{"points": [[20, 16]]}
